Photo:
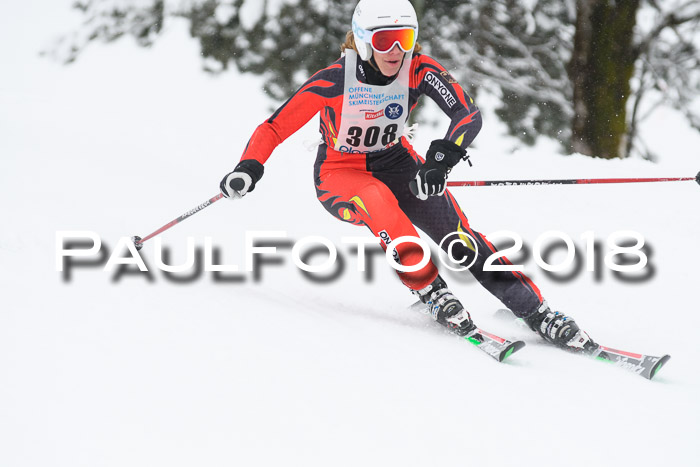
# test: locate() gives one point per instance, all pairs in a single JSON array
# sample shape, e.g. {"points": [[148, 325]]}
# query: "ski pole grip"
{"points": [[697, 178], [237, 184]]}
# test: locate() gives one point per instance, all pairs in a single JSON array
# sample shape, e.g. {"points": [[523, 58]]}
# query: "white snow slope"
{"points": [[98, 371]]}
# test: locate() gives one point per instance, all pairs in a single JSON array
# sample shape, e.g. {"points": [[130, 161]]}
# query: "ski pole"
{"points": [[138, 241], [577, 181]]}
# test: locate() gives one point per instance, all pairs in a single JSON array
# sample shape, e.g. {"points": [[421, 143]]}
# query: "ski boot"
{"points": [[560, 330], [445, 308]]}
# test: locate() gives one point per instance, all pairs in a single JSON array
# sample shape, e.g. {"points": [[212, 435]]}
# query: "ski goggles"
{"points": [[384, 39]]}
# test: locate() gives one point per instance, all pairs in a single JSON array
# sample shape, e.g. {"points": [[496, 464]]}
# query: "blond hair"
{"points": [[350, 44]]}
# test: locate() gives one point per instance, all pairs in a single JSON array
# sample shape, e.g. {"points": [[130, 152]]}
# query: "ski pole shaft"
{"points": [[138, 241], [577, 181]]}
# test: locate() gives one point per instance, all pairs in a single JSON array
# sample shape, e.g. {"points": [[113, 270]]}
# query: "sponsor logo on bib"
{"points": [[393, 111], [374, 115]]}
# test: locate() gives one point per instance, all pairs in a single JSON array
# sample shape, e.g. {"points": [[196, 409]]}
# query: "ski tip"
{"points": [[510, 350], [655, 369]]}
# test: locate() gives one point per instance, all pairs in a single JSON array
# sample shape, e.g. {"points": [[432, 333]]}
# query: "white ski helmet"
{"points": [[374, 14]]}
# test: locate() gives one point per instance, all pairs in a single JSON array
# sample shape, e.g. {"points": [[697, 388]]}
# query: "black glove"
{"points": [[431, 179], [242, 180]]}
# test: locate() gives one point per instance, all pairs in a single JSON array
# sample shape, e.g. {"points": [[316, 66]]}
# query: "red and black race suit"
{"points": [[373, 189]]}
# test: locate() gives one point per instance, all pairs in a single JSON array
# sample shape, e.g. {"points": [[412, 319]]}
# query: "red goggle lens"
{"points": [[383, 40]]}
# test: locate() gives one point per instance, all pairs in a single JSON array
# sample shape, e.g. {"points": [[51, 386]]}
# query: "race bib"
{"points": [[373, 117]]}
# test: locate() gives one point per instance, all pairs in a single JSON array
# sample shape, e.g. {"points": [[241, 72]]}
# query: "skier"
{"points": [[367, 173]]}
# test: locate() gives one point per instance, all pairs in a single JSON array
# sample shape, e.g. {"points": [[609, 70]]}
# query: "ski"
{"points": [[494, 346], [644, 365]]}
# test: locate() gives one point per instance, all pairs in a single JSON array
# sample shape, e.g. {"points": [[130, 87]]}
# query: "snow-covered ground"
{"points": [[107, 370]]}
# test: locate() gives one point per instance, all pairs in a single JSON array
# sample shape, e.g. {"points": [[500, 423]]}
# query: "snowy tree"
{"points": [[515, 49], [601, 69], [667, 67], [283, 40], [585, 72], [615, 58]]}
